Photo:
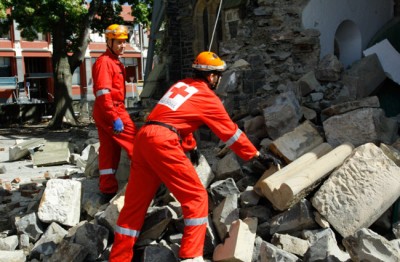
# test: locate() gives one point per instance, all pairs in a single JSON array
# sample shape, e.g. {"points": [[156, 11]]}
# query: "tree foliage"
{"points": [[69, 23], [141, 10]]}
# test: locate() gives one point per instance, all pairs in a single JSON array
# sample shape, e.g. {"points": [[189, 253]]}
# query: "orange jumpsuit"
{"points": [[159, 157], [109, 89]]}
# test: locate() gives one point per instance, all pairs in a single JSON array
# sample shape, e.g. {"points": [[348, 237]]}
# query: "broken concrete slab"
{"points": [[109, 216], [23, 148], [360, 242], [338, 109], [30, 225], [295, 143], [297, 218], [72, 251], [61, 202], [255, 126], [157, 220], [223, 188], [323, 246], [228, 167], [360, 126], [364, 77], [291, 244], [155, 253], [204, 171], [52, 154], [365, 185], [283, 116], [12, 256], [269, 253], [9, 243], [308, 83], [388, 57], [238, 246], [92, 236], [47, 243], [225, 214]]}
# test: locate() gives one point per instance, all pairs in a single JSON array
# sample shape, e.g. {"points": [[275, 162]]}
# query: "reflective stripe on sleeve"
{"points": [[102, 92], [127, 231], [234, 138], [108, 171], [196, 221]]}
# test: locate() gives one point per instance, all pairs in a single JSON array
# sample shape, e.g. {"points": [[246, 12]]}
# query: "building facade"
{"points": [[26, 75]]}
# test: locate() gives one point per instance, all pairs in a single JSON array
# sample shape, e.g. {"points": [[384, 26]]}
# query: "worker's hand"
{"points": [[118, 126], [268, 159], [194, 156]]}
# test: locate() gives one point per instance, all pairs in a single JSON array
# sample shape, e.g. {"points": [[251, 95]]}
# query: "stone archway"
{"points": [[348, 46], [204, 17]]}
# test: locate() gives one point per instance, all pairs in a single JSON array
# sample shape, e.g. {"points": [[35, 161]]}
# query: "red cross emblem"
{"points": [[178, 91]]}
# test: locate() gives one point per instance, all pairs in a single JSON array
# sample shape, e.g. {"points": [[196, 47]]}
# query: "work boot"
{"points": [[195, 259]]}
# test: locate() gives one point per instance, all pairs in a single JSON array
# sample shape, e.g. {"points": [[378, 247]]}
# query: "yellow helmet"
{"points": [[116, 31], [208, 61]]}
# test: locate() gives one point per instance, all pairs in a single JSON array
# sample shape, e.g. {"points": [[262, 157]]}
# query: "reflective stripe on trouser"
{"points": [[123, 241], [163, 161], [110, 149], [107, 181]]}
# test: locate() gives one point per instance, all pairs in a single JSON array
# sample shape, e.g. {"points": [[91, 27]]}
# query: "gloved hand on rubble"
{"points": [[194, 155], [118, 126], [266, 160]]}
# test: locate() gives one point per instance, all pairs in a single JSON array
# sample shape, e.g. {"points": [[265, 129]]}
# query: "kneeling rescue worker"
{"points": [[159, 157]]}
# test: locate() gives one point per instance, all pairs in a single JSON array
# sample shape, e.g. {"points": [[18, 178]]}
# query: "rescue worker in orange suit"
{"points": [[115, 127], [166, 135]]}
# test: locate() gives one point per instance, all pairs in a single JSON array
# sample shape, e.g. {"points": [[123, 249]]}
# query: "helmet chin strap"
{"points": [[213, 86], [110, 47], [217, 83]]}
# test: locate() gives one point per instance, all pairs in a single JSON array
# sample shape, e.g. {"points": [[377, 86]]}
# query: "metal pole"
{"points": [[215, 25], [141, 49]]}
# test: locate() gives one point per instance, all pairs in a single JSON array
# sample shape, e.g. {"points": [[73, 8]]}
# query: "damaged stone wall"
{"points": [[266, 34], [269, 35]]}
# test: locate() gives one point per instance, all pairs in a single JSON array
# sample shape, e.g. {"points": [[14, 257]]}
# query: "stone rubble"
{"points": [[341, 165]]}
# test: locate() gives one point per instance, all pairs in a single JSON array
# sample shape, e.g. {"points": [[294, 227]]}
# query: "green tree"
{"points": [[69, 23]]}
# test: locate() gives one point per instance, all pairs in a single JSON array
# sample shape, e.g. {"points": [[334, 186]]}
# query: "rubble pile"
{"points": [[335, 198]]}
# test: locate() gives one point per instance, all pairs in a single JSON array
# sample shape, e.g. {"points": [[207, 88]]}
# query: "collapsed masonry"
{"points": [[335, 198]]}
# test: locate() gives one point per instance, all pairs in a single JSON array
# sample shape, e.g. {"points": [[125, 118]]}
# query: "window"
{"points": [[5, 36], [129, 61], [5, 66], [40, 37], [232, 18]]}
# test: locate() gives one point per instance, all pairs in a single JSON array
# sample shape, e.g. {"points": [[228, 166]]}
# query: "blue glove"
{"points": [[118, 126]]}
